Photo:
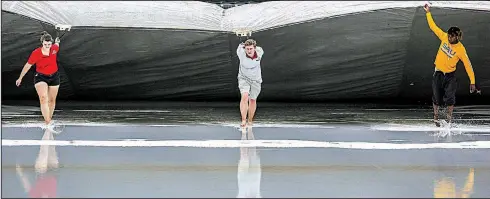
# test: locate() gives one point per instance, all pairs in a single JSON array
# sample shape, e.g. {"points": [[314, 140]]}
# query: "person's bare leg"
{"points": [[436, 115], [450, 114], [250, 135], [42, 92], [251, 110], [41, 165], [244, 108], [52, 94], [52, 156]]}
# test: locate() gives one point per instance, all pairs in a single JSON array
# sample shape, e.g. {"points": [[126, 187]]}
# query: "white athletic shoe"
{"points": [[49, 126], [46, 126]]}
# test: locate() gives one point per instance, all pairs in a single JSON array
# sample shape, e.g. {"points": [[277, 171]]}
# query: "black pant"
{"points": [[444, 88], [51, 80]]}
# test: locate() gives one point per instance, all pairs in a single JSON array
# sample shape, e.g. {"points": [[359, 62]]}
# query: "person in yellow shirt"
{"points": [[444, 83]]}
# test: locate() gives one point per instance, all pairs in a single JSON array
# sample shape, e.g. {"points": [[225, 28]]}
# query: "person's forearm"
{"points": [[240, 49], [468, 67], [25, 182], [432, 25], [260, 51], [26, 68]]}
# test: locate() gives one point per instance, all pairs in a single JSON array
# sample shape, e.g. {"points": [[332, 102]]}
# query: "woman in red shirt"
{"points": [[47, 78]]}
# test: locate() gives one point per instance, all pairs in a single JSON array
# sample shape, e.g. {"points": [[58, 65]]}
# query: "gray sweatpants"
{"points": [[248, 86]]}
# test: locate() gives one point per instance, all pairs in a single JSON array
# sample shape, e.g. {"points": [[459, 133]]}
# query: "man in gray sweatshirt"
{"points": [[249, 78]]}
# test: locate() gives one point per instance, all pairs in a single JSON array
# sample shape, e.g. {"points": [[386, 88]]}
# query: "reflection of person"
{"points": [[46, 182], [446, 188], [249, 171]]}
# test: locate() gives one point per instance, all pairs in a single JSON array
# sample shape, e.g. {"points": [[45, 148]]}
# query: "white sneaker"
{"points": [[49, 126], [44, 126]]}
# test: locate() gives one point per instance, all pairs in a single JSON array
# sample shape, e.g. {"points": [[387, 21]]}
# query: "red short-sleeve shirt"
{"points": [[45, 64], [45, 187]]}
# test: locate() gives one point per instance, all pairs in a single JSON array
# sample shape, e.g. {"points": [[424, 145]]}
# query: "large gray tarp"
{"points": [[381, 54]]}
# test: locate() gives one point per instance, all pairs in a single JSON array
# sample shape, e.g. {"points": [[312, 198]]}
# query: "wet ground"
{"points": [[226, 113], [197, 150]]}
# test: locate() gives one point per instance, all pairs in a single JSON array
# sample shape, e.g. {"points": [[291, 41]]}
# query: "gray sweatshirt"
{"points": [[250, 68]]}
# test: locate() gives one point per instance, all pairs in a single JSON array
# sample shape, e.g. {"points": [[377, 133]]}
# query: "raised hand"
{"points": [[426, 8]]}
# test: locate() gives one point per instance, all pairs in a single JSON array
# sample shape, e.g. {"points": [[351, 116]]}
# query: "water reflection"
{"points": [[249, 171], [45, 180], [446, 187]]}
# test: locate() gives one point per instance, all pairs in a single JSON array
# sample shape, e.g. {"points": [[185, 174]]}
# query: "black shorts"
{"points": [[444, 88], [51, 80]]}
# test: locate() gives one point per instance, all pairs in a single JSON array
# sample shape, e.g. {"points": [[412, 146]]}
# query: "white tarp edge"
{"points": [[150, 14], [279, 13], [205, 16]]}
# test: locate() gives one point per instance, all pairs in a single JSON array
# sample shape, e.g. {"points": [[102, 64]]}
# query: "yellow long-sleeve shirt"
{"points": [[448, 54]]}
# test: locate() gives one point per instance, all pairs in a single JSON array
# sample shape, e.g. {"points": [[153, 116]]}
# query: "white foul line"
{"points": [[249, 143]]}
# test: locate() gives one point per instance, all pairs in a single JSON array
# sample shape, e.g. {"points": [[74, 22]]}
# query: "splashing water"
{"points": [[448, 129]]}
